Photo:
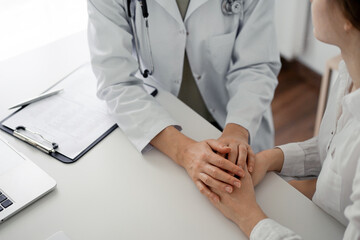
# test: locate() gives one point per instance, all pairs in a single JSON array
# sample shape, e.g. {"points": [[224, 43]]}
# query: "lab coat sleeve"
{"points": [[137, 113], [301, 159], [352, 212], [268, 229], [252, 75]]}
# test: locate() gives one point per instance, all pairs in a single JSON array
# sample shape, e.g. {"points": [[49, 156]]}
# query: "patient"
{"points": [[333, 157]]}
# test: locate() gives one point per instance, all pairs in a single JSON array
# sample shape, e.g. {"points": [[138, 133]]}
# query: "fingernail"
{"points": [[238, 184], [250, 169], [228, 189], [215, 199], [241, 173]]}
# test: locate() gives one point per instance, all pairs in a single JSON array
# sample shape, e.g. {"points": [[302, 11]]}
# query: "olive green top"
{"points": [[189, 92]]}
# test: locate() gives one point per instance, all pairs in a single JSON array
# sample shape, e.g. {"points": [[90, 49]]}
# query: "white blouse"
{"points": [[333, 156]]}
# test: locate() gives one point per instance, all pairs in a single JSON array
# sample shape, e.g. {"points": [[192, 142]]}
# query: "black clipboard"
{"points": [[24, 134], [54, 154]]}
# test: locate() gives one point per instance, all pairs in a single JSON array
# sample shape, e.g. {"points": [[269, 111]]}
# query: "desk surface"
{"points": [[114, 192]]}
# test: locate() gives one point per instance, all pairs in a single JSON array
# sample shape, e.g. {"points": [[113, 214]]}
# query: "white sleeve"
{"points": [[252, 77], [352, 212], [268, 229], [301, 159], [137, 113]]}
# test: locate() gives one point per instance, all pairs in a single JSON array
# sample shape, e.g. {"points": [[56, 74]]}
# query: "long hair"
{"points": [[351, 10]]}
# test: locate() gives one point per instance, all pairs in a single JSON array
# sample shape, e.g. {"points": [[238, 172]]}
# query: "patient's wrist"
{"points": [[276, 160], [248, 222]]}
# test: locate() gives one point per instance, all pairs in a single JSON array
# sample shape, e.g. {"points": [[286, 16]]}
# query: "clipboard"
{"points": [[17, 126], [17, 133]]}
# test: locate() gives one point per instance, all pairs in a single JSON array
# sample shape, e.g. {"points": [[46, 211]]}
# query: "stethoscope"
{"points": [[228, 7], [131, 6]]}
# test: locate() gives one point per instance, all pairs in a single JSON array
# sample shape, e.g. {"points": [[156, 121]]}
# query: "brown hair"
{"points": [[351, 10]]}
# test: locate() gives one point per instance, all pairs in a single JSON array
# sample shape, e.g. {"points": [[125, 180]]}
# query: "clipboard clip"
{"points": [[40, 142]]}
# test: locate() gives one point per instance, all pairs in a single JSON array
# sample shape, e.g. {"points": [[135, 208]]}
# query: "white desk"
{"points": [[114, 192]]}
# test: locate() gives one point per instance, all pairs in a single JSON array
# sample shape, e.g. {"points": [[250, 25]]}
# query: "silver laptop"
{"points": [[21, 181]]}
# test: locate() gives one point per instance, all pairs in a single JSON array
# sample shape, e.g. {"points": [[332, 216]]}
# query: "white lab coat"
{"points": [[234, 61], [335, 157]]}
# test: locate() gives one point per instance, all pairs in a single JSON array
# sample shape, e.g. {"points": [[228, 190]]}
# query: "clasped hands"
{"points": [[214, 164], [218, 164]]}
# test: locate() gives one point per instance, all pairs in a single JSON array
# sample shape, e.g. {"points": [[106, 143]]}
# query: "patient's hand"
{"points": [[265, 161], [306, 187], [240, 206]]}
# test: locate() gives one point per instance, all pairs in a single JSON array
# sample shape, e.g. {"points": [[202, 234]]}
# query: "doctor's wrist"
{"points": [[236, 130], [181, 149], [171, 142]]}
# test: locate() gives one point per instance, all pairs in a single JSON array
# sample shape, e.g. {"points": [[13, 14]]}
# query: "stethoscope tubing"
{"points": [[145, 13], [229, 7]]}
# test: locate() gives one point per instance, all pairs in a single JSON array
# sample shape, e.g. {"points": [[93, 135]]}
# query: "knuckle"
{"points": [[212, 195], [233, 147], [221, 162], [197, 165], [229, 179], [206, 180], [201, 188], [242, 148], [203, 155], [213, 172]]}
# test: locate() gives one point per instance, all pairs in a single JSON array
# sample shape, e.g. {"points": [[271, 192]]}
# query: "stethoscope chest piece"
{"points": [[230, 7]]}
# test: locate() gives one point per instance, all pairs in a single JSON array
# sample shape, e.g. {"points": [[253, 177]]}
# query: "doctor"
{"points": [[220, 56]]}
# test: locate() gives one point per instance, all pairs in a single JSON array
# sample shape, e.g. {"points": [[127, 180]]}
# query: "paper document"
{"points": [[73, 119]]}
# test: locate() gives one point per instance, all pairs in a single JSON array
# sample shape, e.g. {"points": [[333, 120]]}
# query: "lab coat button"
{"points": [[187, 33], [198, 77]]}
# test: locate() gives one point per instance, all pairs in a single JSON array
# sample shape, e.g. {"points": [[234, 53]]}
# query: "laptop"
{"points": [[21, 181]]}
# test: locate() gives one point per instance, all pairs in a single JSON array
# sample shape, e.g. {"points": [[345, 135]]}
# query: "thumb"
{"points": [[218, 146]]}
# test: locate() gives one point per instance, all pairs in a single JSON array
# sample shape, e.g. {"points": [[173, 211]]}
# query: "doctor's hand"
{"points": [[236, 137], [208, 169], [240, 206], [204, 166]]}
